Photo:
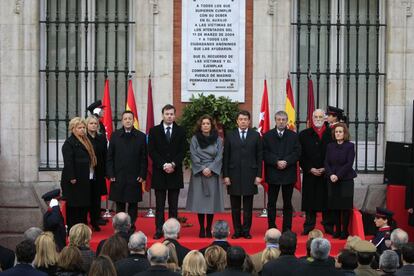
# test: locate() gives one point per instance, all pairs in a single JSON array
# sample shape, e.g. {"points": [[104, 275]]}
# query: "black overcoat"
{"points": [[277, 148], [126, 161], [162, 152], [314, 188], [76, 166], [100, 147], [242, 162]]}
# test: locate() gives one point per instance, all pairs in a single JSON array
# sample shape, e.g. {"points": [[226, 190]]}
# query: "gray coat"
{"points": [[205, 194]]}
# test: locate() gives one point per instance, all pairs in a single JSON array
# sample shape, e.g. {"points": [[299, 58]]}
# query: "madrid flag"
{"points": [[264, 125]]}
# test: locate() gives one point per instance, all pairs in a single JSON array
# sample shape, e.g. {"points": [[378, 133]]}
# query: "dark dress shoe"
{"points": [[208, 234], [96, 228], [328, 230], [336, 235], [202, 233], [344, 235], [247, 236], [157, 236], [236, 236]]}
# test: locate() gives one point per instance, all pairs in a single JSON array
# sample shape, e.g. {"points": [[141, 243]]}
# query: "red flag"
{"points": [[150, 124], [311, 103], [130, 104], [290, 110], [264, 125], [107, 120]]}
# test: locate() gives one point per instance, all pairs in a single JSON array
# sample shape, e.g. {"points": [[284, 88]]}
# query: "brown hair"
{"points": [[102, 266], [115, 248], [70, 259], [347, 136], [80, 235], [197, 127], [194, 264], [84, 140], [46, 254], [216, 258]]}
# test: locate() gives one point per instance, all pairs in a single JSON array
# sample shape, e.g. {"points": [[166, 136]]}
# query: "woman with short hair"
{"points": [[194, 264], [216, 259]]}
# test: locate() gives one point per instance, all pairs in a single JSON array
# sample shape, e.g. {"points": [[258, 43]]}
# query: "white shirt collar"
{"points": [[165, 127]]}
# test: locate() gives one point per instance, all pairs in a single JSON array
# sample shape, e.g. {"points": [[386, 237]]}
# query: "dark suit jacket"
{"points": [[319, 268], [181, 250], [23, 269], [222, 244], [230, 272], [53, 221], [135, 263], [158, 270], [162, 152], [242, 161], [284, 265], [6, 258], [406, 270], [277, 148]]}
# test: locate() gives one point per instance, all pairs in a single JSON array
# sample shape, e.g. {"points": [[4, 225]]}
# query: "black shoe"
{"points": [[247, 236], [96, 228], [202, 233], [328, 229], [208, 233], [236, 236], [344, 235], [336, 235], [157, 236]]}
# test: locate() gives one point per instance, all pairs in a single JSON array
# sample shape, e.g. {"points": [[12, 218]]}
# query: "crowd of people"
{"points": [[127, 253]]}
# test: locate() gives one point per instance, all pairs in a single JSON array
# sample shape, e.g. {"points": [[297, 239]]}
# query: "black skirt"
{"points": [[341, 195]]}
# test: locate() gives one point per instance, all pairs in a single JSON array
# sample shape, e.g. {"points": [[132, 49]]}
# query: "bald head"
{"points": [[158, 254], [272, 237]]}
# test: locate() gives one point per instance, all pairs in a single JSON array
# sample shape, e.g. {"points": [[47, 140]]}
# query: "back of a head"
{"points": [[102, 266], [269, 254], [137, 242], [235, 257], [320, 249], [221, 230], [248, 265], [194, 264], [80, 235], [287, 243], [121, 222], [348, 259], [407, 253], [315, 233], [115, 248], [46, 254], [32, 233], [389, 261], [216, 258], [25, 252], [398, 238], [272, 236], [158, 254], [171, 228], [70, 259]]}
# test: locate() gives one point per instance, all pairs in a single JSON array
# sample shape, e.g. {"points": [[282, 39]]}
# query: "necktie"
{"points": [[168, 134], [243, 135], [280, 134]]}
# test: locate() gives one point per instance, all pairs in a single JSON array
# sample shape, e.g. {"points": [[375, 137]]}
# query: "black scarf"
{"points": [[205, 141]]}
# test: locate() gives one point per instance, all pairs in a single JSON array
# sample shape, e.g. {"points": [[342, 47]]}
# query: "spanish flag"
{"points": [[130, 104]]}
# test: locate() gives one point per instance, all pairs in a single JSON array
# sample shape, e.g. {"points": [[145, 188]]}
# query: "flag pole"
{"points": [[150, 213], [263, 213]]}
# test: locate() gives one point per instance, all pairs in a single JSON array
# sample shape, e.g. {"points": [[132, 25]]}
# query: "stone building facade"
{"points": [[152, 43]]}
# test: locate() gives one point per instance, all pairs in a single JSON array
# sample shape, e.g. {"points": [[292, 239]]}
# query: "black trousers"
{"points": [[95, 208], [160, 197], [235, 202], [310, 220], [75, 215], [272, 194], [132, 210]]}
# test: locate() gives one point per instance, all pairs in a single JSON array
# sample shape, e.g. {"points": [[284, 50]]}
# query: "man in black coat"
{"points": [[158, 257], [127, 166], [137, 260], [6, 258], [314, 141], [281, 151], [242, 172], [166, 147]]}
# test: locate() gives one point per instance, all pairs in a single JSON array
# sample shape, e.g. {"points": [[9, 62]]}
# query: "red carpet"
{"points": [[189, 235]]}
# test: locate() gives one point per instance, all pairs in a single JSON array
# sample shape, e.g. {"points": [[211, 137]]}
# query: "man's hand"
{"points": [[411, 210], [73, 181], [281, 164], [315, 172], [140, 180], [334, 178], [112, 179], [227, 181], [168, 168]]}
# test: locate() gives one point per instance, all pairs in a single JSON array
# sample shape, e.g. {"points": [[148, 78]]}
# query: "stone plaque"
{"points": [[213, 48]]}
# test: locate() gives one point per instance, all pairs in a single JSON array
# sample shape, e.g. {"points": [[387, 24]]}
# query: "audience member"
{"points": [[158, 257], [286, 263], [25, 254], [216, 259], [388, 262], [408, 260], [32, 233], [79, 236], [171, 229], [70, 262], [348, 261], [172, 262], [194, 264], [398, 239], [221, 232], [46, 254], [102, 266], [271, 239], [235, 260], [351, 241], [137, 260], [365, 254], [7, 258], [248, 266], [121, 223], [269, 254], [315, 233], [115, 248]]}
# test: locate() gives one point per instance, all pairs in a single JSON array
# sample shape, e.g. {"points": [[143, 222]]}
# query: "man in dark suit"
{"points": [[235, 260], [281, 151], [127, 166], [408, 260], [137, 260], [25, 254], [220, 232], [166, 146], [242, 172], [158, 257], [287, 263], [6, 258], [171, 230]]}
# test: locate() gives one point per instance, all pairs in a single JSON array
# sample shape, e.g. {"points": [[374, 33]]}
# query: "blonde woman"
{"points": [[80, 236], [194, 264], [216, 259], [270, 253], [79, 165], [46, 255]]}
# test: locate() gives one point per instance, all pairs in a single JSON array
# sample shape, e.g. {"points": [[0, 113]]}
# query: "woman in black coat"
{"points": [[98, 184], [339, 159], [79, 164]]}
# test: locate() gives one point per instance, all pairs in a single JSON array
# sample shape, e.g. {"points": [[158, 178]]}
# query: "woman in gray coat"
{"points": [[205, 194]]}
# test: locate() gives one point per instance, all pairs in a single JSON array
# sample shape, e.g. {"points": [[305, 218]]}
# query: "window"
{"points": [[82, 43], [340, 44]]}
